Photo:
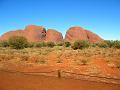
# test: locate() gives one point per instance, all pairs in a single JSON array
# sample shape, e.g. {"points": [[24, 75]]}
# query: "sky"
{"points": [[99, 16]]}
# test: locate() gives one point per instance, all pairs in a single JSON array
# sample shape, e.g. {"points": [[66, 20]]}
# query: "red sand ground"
{"points": [[98, 65], [17, 81]]}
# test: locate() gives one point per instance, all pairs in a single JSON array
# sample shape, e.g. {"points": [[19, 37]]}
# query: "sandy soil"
{"points": [[17, 81], [97, 67]]}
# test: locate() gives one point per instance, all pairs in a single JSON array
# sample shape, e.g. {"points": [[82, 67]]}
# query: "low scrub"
{"points": [[108, 44], [102, 45], [50, 44], [40, 44], [31, 44], [60, 44], [80, 45], [4, 44], [18, 42], [67, 44]]}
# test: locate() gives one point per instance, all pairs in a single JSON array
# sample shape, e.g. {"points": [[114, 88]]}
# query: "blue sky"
{"points": [[100, 16]]}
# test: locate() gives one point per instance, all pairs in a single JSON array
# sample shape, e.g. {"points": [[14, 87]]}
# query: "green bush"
{"points": [[113, 43], [4, 44], [93, 45], [80, 44], [31, 44], [50, 44], [67, 44], [110, 43], [41, 44], [102, 45], [18, 42], [60, 44], [116, 44]]}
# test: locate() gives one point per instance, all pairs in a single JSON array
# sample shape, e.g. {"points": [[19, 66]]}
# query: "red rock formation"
{"points": [[92, 37], [38, 33], [7, 35], [78, 33], [75, 33], [35, 33], [53, 36], [32, 33]]}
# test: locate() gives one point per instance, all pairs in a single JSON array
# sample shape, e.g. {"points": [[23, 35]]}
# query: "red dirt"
{"points": [[106, 70], [17, 81], [98, 67]]}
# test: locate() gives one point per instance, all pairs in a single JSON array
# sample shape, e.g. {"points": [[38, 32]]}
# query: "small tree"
{"points": [[80, 44], [18, 42], [4, 44], [67, 44]]}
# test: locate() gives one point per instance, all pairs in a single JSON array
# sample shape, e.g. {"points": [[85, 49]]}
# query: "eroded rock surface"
{"points": [[78, 33]]}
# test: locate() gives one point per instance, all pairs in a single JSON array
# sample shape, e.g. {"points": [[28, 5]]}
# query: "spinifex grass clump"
{"points": [[82, 61], [41, 59], [40, 44]]}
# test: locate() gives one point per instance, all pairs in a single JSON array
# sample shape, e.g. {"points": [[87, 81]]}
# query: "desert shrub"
{"points": [[31, 44], [80, 45], [93, 45], [102, 45], [50, 44], [60, 44], [18, 42], [116, 44], [67, 44], [113, 44], [24, 57], [84, 61], [41, 44], [4, 44], [109, 43], [41, 60]]}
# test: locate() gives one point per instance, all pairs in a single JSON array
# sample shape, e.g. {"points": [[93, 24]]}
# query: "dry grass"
{"points": [[79, 57]]}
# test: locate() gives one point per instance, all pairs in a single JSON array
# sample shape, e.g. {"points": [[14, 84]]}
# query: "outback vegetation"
{"points": [[79, 54]]}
